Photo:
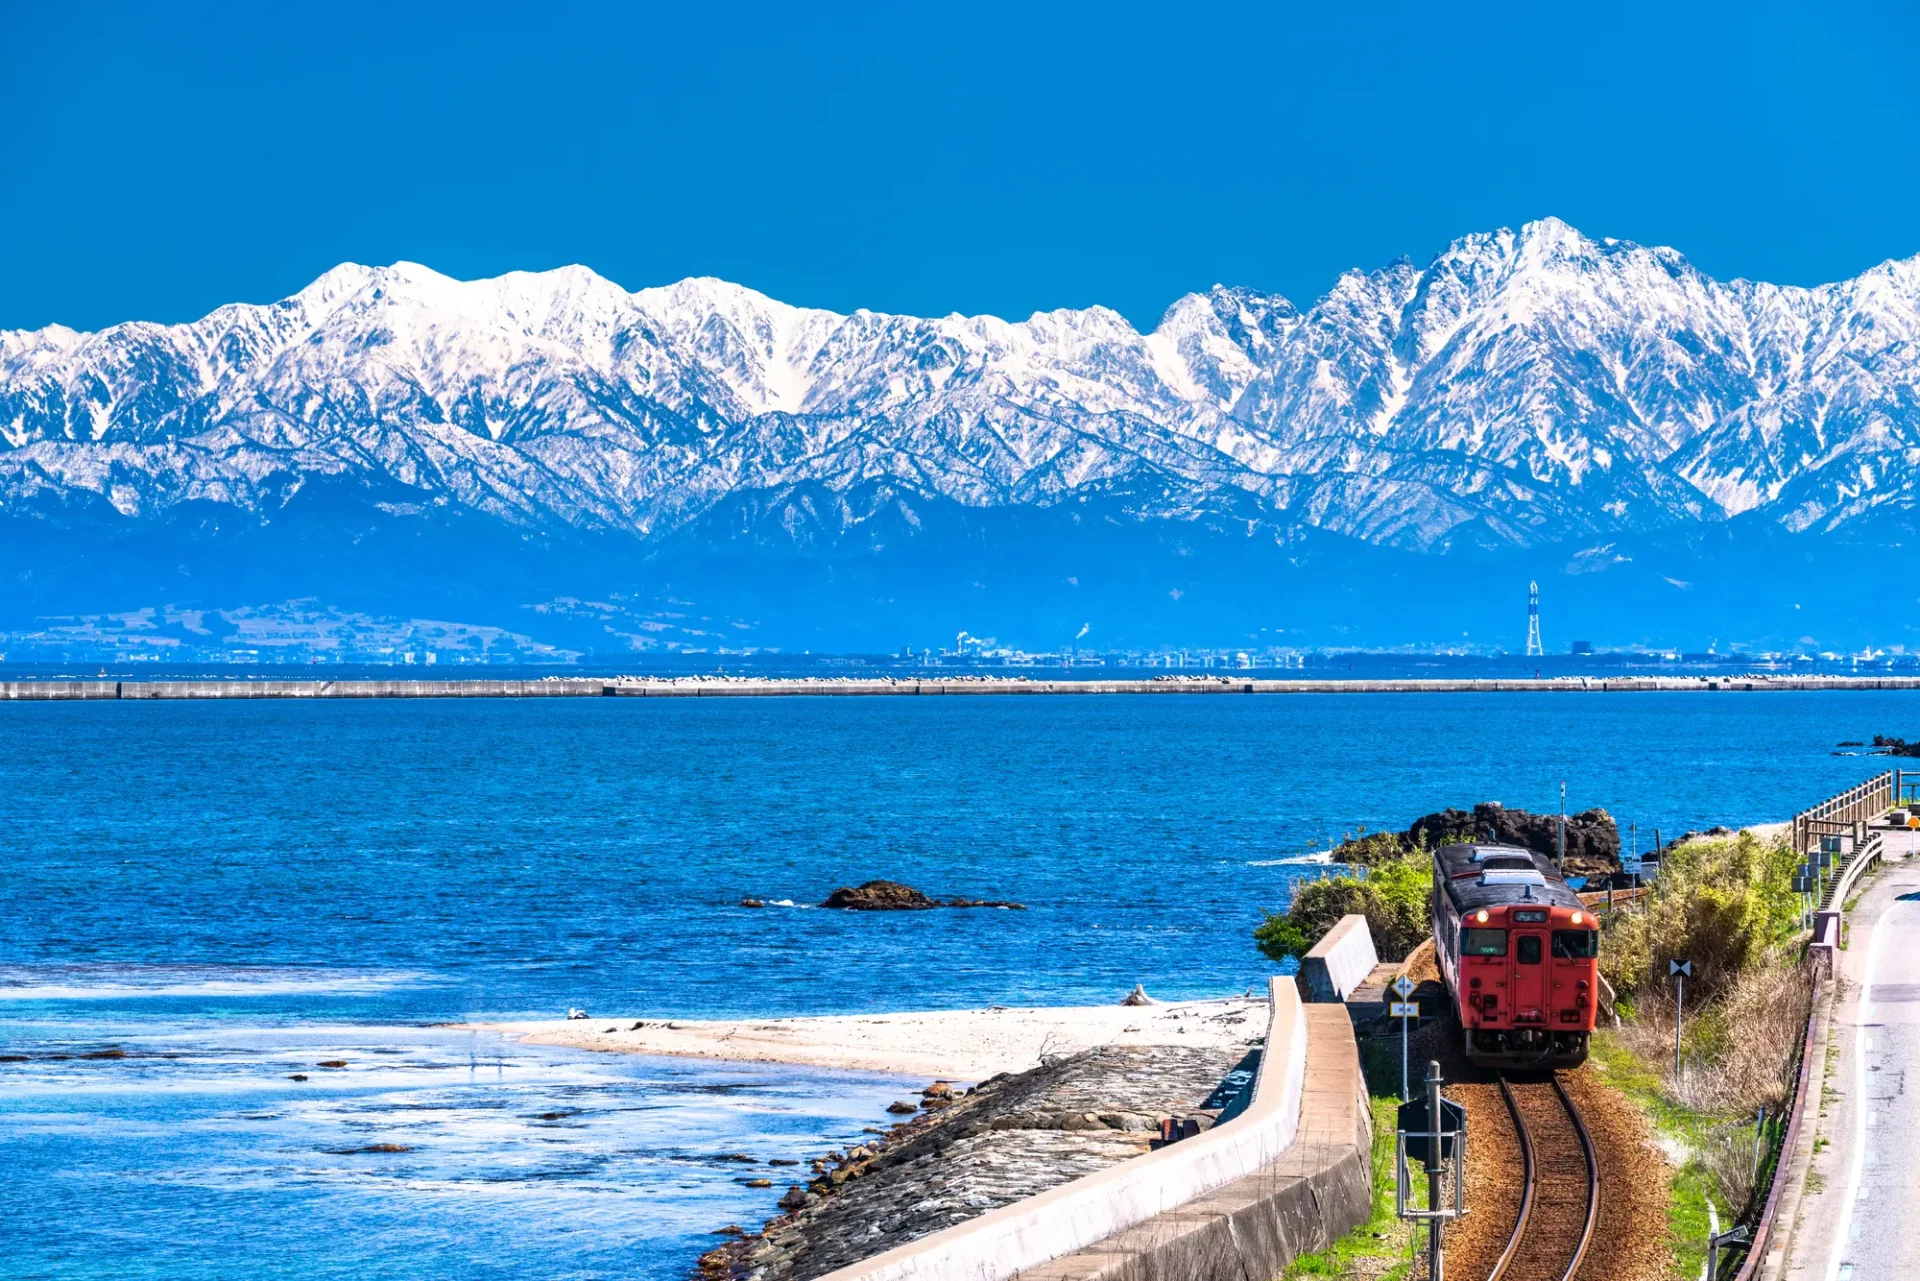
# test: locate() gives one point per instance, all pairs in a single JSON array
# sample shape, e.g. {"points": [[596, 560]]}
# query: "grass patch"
{"points": [[1383, 1236], [1705, 1142]]}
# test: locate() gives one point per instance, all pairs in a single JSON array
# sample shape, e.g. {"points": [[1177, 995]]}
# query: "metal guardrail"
{"points": [[1826, 919]]}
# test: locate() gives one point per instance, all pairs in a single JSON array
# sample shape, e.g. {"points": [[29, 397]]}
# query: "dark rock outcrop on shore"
{"points": [[892, 896], [1894, 746], [1009, 1138], [1593, 838]]}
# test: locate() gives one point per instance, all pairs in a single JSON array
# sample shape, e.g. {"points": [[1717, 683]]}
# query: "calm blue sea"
{"points": [[213, 898]]}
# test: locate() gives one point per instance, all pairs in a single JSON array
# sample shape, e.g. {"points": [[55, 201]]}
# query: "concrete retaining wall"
{"points": [[1254, 1227], [1015, 1238], [1339, 962], [628, 687]]}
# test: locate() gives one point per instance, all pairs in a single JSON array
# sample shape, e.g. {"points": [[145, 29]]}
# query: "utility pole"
{"points": [[1560, 858]]}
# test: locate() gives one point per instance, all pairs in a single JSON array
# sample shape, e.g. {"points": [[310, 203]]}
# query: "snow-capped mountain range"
{"points": [[1523, 388]]}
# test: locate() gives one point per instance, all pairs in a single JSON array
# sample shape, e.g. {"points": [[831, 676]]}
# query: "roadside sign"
{"points": [[1403, 1010], [1403, 987], [1683, 968]]}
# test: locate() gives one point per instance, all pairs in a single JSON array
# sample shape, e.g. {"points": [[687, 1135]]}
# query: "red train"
{"points": [[1518, 952]]}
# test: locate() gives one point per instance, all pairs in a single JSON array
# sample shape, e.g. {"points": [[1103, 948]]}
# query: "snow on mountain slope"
{"points": [[1524, 387]]}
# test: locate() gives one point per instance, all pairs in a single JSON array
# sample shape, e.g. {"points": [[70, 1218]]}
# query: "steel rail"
{"points": [[1526, 1196], [1593, 1179]]}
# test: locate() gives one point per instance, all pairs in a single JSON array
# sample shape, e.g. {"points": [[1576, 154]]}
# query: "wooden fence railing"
{"points": [[1848, 812]]}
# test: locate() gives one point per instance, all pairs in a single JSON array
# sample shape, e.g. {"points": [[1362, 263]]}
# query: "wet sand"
{"points": [[958, 1045]]}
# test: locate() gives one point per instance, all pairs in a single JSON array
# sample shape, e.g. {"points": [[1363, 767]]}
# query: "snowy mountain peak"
{"points": [[1525, 386]]}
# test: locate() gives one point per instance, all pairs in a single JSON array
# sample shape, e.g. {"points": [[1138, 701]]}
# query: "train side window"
{"points": [[1528, 953], [1484, 943], [1576, 945]]}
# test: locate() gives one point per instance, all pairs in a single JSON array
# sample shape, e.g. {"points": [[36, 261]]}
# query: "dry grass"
{"points": [[1738, 1054]]}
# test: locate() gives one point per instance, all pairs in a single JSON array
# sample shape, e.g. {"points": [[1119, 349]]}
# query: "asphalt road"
{"points": [[1858, 1221]]}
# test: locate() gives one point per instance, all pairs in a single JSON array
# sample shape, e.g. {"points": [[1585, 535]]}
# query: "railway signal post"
{"points": [[1406, 1011], [1679, 972], [1439, 1126]]}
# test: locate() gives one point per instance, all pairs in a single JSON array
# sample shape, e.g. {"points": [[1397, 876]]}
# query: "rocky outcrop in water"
{"points": [[892, 896]]}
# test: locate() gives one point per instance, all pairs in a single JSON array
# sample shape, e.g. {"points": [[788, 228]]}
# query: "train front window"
{"points": [[1576, 945], [1528, 953], [1483, 942]]}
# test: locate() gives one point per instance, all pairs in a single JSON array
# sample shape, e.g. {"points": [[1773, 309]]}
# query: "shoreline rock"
{"points": [[1593, 838]]}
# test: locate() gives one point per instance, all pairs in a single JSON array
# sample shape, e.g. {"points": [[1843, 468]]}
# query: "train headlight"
{"points": [[1481, 916], [1578, 917]]}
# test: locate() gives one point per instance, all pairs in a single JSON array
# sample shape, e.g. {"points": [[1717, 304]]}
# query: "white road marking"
{"points": [[1856, 1169]]}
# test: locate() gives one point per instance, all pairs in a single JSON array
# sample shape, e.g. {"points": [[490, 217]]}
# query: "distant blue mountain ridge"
{"points": [[1678, 460]]}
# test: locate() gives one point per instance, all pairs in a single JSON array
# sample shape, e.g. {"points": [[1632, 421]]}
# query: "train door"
{"points": [[1530, 974]]}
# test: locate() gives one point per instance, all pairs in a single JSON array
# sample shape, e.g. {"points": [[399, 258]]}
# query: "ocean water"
{"points": [[200, 901]]}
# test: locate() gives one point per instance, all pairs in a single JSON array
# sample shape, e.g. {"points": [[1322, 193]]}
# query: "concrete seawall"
{"points": [[1257, 1225], [725, 687], [1338, 963], [1241, 1199]]}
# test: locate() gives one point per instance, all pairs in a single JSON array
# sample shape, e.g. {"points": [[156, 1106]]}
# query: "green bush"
{"points": [[1371, 849], [1393, 896], [1721, 902]]}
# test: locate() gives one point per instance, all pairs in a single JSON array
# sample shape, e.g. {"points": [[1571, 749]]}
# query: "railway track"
{"points": [[1561, 1200]]}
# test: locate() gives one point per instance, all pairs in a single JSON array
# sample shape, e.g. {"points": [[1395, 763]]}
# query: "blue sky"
{"points": [[163, 159]]}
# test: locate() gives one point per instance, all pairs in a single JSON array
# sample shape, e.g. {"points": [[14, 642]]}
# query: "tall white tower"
{"points": [[1534, 649]]}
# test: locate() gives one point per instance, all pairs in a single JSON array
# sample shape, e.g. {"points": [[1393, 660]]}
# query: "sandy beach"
{"points": [[955, 1045]]}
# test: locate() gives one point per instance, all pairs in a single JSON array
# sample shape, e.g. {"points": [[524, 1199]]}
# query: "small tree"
{"points": [[1393, 898]]}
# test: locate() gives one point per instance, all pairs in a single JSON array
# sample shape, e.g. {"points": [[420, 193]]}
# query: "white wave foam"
{"points": [[119, 982], [1320, 858]]}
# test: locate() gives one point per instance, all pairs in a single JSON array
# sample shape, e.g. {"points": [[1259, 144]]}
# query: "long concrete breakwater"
{"points": [[779, 687]]}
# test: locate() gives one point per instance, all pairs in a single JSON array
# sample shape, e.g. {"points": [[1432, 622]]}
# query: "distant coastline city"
{"points": [[163, 641]]}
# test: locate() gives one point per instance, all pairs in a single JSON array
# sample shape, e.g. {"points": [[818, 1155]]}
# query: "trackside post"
{"points": [[1439, 1126]]}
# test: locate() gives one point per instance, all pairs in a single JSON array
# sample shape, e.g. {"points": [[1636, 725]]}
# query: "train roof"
{"points": [[1472, 884]]}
